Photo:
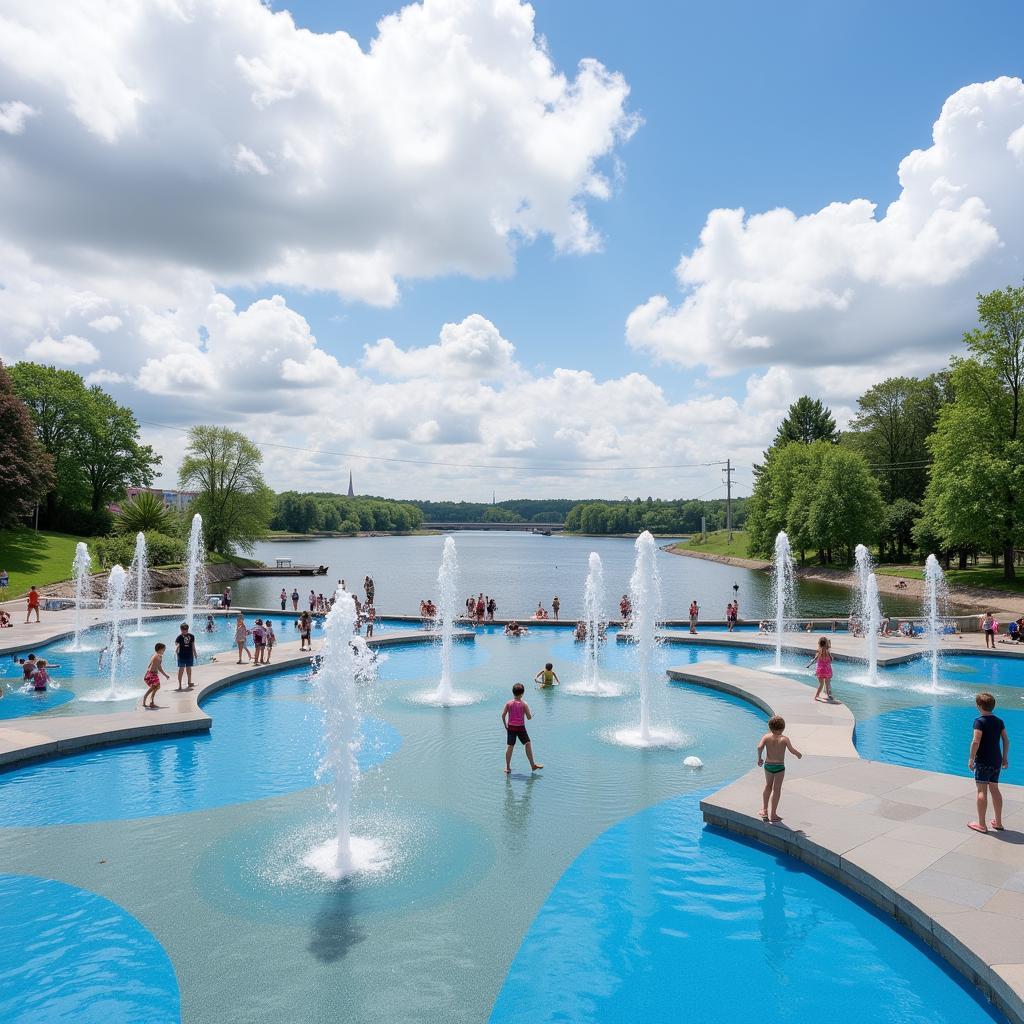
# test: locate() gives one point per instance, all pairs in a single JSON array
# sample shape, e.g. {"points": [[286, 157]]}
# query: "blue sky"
{"points": [[743, 104], [216, 216]]}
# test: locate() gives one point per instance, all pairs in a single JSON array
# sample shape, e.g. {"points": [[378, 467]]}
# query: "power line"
{"points": [[460, 465]]}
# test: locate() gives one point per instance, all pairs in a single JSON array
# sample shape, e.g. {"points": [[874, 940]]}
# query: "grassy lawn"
{"points": [[38, 558], [977, 576], [718, 543]]}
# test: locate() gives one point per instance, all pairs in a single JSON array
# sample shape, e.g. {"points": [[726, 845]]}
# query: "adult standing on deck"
{"points": [[295, 599], [555, 605], [369, 588], [694, 615], [284, 599], [226, 597], [33, 603]]}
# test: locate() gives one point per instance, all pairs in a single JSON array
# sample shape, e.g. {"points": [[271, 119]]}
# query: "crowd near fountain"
{"points": [[80, 569]]}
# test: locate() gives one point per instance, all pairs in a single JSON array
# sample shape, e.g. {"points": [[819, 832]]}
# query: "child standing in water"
{"points": [[513, 718], [771, 752], [547, 676], [41, 677], [154, 670], [822, 662]]}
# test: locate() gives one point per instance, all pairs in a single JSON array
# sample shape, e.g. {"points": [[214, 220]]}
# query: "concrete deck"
{"points": [[33, 737], [896, 836], [894, 650]]}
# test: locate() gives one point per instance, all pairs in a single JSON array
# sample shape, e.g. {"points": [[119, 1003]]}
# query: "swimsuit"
{"points": [[151, 679], [773, 768], [824, 671]]}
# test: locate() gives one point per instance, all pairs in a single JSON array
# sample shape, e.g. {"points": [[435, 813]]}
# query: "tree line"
{"points": [[928, 464], [312, 512], [634, 515]]}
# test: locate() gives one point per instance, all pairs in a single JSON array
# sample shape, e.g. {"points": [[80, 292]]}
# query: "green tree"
{"points": [[145, 512], [225, 467], [26, 470], [976, 492], [107, 449], [891, 430], [808, 420], [498, 514]]}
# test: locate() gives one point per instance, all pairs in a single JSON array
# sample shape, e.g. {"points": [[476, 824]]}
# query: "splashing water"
{"points": [[936, 594], [195, 567], [645, 594], [140, 578], [80, 573], [783, 585], [345, 663], [117, 585], [866, 608], [595, 621]]}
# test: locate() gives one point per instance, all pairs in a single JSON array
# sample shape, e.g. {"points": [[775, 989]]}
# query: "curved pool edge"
{"points": [[895, 836], [33, 738]]}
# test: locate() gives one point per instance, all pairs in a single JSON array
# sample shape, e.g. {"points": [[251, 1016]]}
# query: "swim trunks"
{"points": [[773, 769], [518, 733]]}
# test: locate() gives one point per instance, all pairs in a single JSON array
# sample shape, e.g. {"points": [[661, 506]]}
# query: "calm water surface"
{"points": [[520, 569]]}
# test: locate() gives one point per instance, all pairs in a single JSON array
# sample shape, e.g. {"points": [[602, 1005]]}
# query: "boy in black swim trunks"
{"points": [[513, 718], [773, 747], [986, 760]]}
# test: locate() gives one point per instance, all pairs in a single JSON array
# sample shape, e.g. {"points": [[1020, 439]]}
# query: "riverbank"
{"points": [[966, 599]]}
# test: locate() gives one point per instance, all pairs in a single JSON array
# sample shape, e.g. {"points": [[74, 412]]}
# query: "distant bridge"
{"points": [[514, 527]]}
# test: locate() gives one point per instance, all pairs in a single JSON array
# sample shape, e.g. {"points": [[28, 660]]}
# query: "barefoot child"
{"points": [[822, 662], [774, 745], [154, 670], [41, 676], [547, 676], [513, 718], [986, 760]]}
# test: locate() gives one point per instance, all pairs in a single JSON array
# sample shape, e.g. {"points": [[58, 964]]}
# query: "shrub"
{"points": [[119, 549]]}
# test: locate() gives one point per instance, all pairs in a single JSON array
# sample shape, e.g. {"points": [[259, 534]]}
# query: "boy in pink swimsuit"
{"points": [[513, 718]]}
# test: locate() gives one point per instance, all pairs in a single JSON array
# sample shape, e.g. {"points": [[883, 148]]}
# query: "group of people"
{"points": [[990, 627], [542, 612], [480, 608], [35, 674]]}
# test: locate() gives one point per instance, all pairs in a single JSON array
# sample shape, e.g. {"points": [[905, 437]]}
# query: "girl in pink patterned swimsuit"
{"points": [[822, 662]]}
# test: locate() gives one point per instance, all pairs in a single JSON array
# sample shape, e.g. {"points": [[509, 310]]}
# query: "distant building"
{"points": [[172, 499], [351, 491]]}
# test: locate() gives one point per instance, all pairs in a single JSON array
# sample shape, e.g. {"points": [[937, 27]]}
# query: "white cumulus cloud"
{"points": [[13, 116], [70, 350], [219, 137], [846, 284]]}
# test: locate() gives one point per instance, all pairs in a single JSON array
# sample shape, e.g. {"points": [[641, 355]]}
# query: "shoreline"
{"points": [[973, 600]]}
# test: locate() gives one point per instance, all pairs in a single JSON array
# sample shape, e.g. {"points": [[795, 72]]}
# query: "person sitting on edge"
{"points": [[986, 760], [547, 676], [771, 752], [5, 620], [514, 717]]}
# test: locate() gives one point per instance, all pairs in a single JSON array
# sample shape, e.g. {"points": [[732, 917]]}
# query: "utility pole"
{"points": [[728, 497]]}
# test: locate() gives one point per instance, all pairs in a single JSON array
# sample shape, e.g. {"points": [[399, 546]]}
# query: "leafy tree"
{"points": [[108, 449], [807, 421], [497, 514], [145, 512], [891, 430], [976, 492], [26, 470], [821, 494], [226, 468], [93, 441], [896, 530]]}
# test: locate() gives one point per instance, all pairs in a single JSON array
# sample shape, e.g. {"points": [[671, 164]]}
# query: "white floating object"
{"points": [[693, 762]]}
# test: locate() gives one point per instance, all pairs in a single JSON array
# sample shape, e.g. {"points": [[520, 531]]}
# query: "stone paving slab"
{"points": [[31, 737], [895, 835]]}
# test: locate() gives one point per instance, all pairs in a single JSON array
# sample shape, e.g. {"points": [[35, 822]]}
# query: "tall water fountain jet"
{"points": [[195, 567], [866, 608], [447, 583], [935, 597], [645, 594], [140, 578], [595, 623], [80, 573], [783, 585], [117, 585], [344, 662]]}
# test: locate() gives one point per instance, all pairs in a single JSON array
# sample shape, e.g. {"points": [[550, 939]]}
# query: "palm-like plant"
{"points": [[144, 512]]}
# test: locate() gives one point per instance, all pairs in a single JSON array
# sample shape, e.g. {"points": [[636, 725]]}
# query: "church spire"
{"points": [[351, 491]]}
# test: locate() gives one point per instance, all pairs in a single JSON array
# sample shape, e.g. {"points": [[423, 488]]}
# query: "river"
{"points": [[520, 569]]}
